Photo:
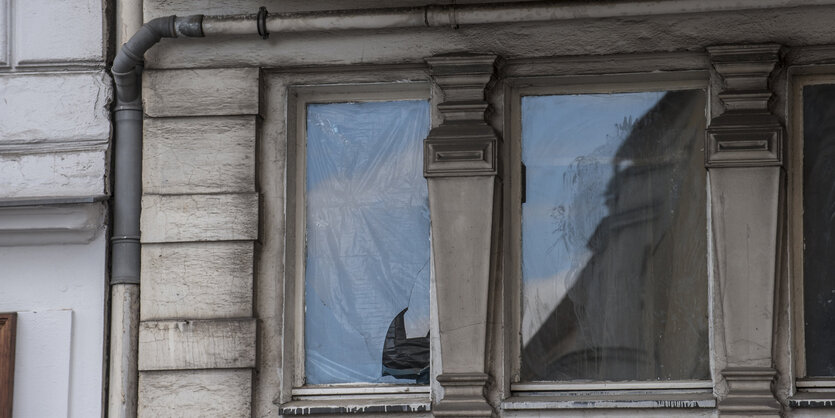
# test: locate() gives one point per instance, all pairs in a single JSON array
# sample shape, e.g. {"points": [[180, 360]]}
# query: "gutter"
{"points": [[127, 142]]}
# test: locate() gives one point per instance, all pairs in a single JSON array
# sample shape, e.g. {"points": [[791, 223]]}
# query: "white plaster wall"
{"points": [[50, 32], [46, 280], [55, 132], [51, 107]]}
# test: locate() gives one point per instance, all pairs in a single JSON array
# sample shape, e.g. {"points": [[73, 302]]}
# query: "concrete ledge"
{"points": [[580, 400], [42, 224], [355, 406], [824, 399]]}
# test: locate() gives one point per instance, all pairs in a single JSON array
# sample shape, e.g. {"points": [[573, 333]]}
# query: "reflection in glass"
{"points": [[367, 255], [614, 238], [819, 228]]}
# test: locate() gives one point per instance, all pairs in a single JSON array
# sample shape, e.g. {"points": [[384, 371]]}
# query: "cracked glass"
{"points": [[367, 253], [614, 265]]}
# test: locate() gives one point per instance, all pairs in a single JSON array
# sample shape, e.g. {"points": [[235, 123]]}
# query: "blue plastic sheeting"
{"points": [[367, 232], [614, 258]]}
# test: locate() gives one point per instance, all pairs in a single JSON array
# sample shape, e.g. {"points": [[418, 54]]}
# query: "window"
{"points": [[818, 229], [367, 243], [361, 241], [814, 196], [612, 238]]}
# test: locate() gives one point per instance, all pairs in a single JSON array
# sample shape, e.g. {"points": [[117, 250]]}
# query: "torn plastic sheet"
{"points": [[367, 236], [403, 357]]}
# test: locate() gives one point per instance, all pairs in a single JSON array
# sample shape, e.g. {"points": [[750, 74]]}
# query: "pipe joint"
{"points": [[189, 26], [440, 15], [162, 27]]}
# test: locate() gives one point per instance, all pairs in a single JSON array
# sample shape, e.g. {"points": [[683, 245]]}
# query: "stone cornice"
{"points": [[748, 133], [44, 224], [464, 144]]}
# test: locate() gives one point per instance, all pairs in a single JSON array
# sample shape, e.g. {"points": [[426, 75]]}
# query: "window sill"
{"points": [[814, 393], [355, 406], [599, 400]]}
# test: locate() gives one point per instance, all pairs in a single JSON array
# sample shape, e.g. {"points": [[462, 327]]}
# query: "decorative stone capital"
{"points": [[464, 144], [747, 134]]}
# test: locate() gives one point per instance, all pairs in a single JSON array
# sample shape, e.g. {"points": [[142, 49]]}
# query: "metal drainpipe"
{"points": [[127, 195]]}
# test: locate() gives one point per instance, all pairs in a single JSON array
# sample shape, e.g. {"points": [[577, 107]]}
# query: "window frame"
{"points": [[806, 391], [8, 334], [596, 394], [298, 397]]}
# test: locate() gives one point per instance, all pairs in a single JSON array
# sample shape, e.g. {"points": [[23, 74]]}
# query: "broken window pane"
{"points": [[367, 252], [819, 228], [614, 259]]}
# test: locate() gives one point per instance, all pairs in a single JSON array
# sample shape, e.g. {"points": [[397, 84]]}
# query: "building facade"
{"points": [[459, 209]]}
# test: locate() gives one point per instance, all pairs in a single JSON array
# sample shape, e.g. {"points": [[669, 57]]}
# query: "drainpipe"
{"points": [[127, 195]]}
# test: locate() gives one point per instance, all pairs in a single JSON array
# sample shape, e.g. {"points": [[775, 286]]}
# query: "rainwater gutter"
{"points": [[127, 155]]}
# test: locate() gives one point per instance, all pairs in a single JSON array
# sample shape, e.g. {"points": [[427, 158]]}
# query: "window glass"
{"points": [[367, 243], [819, 228], [614, 259]]}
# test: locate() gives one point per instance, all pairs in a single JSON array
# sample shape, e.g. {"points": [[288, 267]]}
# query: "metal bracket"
{"points": [[262, 23]]}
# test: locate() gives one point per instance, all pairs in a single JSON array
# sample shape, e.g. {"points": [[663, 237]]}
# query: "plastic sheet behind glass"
{"points": [[367, 226], [614, 238]]}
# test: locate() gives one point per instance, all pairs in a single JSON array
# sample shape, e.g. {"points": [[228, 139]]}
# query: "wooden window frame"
{"points": [[586, 395], [344, 84], [8, 332], [806, 391]]}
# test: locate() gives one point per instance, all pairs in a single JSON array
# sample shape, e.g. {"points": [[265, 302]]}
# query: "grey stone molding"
{"points": [[744, 154], [51, 221], [750, 392], [464, 144], [463, 395], [460, 164], [747, 134]]}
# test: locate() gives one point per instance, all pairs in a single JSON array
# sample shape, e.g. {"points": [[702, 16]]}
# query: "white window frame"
{"points": [[599, 394]]}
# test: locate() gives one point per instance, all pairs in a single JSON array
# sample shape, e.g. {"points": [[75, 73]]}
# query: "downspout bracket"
{"points": [[262, 23]]}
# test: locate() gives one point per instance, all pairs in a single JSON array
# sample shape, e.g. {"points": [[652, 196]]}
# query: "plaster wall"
{"points": [[59, 293]]}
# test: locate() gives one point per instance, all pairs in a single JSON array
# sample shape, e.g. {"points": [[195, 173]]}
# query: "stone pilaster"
{"points": [[460, 164], [744, 156]]}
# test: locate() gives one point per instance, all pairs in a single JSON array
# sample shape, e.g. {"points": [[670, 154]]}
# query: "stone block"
{"points": [[201, 92], [199, 155], [195, 394], [197, 344], [214, 217], [197, 280]]}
